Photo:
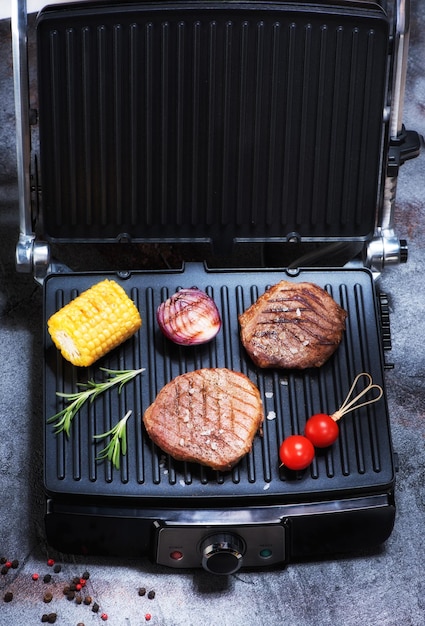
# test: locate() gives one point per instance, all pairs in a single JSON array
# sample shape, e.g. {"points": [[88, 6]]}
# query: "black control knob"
{"points": [[222, 553]]}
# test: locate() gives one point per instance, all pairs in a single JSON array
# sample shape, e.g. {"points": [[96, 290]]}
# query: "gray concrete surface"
{"points": [[386, 587]]}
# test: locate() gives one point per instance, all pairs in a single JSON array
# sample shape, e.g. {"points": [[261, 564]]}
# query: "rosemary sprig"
{"points": [[92, 389], [118, 444]]}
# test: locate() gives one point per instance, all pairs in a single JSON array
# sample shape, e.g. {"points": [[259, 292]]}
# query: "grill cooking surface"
{"points": [[254, 120], [360, 461]]}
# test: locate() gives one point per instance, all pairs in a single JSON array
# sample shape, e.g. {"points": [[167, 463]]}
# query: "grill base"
{"points": [[157, 506], [272, 535]]}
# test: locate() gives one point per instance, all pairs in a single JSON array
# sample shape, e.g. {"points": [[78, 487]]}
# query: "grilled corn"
{"points": [[94, 323]]}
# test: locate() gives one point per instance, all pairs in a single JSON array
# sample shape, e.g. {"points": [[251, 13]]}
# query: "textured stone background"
{"points": [[385, 588]]}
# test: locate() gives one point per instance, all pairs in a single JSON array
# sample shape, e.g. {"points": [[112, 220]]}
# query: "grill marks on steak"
{"points": [[209, 416], [292, 325]]}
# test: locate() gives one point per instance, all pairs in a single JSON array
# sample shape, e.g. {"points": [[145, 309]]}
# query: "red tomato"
{"points": [[322, 430], [296, 452]]}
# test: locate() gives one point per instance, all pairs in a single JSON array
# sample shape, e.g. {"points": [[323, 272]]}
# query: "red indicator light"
{"points": [[176, 555]]}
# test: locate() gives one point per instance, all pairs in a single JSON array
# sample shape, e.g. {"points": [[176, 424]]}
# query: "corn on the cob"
{"points": [[94, 323]]}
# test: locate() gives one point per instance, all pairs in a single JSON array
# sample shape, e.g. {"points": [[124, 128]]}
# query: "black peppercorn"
{"points": [[8, 596], [47, 578], [142, 591], [4, 570], [151, 594], [51, 618], [95, 607], [48, 597], [15, 563], [57, 568]]}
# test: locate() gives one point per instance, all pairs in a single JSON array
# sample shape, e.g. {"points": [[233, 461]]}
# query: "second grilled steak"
{"points": [[209, 416], [293, 326]]}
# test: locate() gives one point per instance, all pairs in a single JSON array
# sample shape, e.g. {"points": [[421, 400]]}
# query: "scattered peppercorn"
{"points": [[70, 595], [8, 596], [104, 617], [35, 576], [44, 618], [51, 618], [142, 591], [148, 617], [8, 563], [50, 562], [15, 564], [86, 576], [47, 578], [88, 600], [3, 560], [95, 607], [57, 568], [78, 599], [48, 597], [4, 570], [151, 594]]}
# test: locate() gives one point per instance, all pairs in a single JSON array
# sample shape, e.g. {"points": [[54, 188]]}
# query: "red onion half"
{"points": [[189, 317]]}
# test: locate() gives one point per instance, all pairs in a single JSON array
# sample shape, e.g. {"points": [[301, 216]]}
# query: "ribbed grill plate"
{"points": [[359, 462], [218, 120]]}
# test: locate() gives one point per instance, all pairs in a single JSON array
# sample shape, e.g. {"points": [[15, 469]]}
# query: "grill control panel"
{"points": [[221, 550]]}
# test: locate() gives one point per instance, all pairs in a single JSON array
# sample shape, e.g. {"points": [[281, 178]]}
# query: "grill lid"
{"points": [[360, 462], [215, 121]]}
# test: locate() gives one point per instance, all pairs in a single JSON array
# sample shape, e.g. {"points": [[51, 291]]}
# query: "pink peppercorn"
{"points": [[35, 576], [148, 617], [8, 564], [50, 562], [104, 617]]}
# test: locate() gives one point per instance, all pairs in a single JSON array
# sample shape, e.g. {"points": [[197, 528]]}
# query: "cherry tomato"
{"points": [[296, 452], [322, 430]]}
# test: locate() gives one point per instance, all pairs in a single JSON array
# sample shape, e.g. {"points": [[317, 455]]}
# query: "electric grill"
{"points": [[233, 126]]}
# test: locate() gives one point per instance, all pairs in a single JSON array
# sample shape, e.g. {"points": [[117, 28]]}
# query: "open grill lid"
{"points": [[220, 121], [360, 462]]}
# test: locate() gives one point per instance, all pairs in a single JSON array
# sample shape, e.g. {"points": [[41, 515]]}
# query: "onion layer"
{"points": [[189, 317]]}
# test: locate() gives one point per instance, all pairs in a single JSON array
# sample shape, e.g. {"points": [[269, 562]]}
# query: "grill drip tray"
{"points": [[156, 505]]}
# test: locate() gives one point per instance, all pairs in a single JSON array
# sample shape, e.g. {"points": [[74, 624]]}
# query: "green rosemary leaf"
{"points": [[63, 419], [117, 446]]}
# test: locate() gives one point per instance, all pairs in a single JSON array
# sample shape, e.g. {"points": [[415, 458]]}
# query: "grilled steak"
{"points": [[209, 416], [292, 325]]}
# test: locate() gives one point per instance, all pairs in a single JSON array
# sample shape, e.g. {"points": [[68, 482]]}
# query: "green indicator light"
{"points": [[265, 553]]}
